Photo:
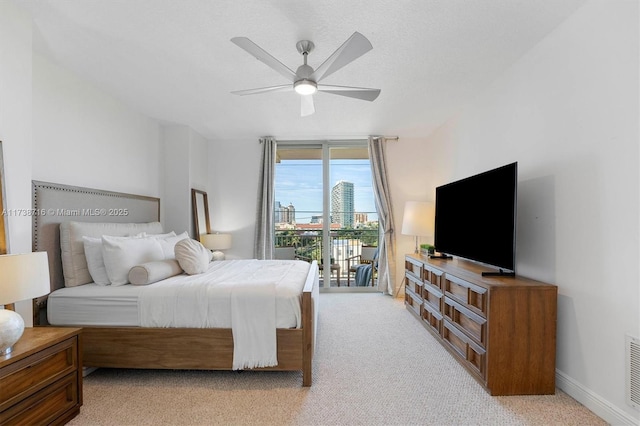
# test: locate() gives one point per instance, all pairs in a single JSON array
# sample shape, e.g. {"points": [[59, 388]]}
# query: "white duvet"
{"points": [[203, 300]]}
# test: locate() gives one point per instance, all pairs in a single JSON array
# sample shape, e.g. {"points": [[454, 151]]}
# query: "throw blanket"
{"points": [[253, 323], [363, 275], [252, 297]]}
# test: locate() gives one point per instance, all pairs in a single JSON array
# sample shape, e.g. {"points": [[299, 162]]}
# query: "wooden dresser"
{"points": [[501, 329], [41, 379]]}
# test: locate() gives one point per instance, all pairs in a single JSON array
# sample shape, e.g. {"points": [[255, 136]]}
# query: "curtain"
{"points": [[263, 247], [386, 242]]}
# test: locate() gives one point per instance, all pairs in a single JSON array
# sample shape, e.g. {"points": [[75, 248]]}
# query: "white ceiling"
{"points": [[173, 61]]}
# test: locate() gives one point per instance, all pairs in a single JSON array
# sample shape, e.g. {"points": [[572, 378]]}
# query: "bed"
{"points": [[123, 342]]}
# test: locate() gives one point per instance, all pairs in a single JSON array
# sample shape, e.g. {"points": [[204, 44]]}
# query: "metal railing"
{"points": [[345, 243]]}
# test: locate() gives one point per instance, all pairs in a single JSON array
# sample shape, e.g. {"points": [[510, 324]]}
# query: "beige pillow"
{"points": [[152, 272], [74, 262], [192, 256]]}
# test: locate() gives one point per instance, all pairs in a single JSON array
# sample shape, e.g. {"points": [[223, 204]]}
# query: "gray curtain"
{"points": [[386, 242], [264, 241]]}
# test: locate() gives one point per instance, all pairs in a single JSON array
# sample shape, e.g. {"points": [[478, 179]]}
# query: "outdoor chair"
{"points": [[363, 266]]}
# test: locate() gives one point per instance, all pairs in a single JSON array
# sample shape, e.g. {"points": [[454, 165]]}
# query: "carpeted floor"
{"points": [[370, 368]]}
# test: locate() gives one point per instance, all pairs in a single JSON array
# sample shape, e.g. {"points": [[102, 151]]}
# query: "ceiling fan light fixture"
{"points": [[305, 87]]}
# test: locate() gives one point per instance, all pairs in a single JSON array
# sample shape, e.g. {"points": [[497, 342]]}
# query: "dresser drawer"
{"points": [[473, 356], [413, 283], [432, 296], [432, 318], [413, 301], [44, 406], [467, 293], [473, 324], [36, 372], [413, 267], [432, 276]]}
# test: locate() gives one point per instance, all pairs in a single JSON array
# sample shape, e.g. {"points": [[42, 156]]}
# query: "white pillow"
{"points": [[168, 243], [120, 255], [95, 262], [192, 256], [152, 272]]}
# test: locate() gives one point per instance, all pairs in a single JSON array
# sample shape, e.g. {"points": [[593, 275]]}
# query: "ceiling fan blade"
{"points": [[355, 46], [261, 55], [306, 105], [282, 88], [363, 93]]}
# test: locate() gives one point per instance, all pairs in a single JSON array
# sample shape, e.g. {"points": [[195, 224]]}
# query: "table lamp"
{"points": [[216, 242], [22, 277], [418, 220]]}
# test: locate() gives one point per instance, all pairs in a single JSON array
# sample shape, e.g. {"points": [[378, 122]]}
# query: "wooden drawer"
{"points": [[432, 276], [432, 296], [473, 324], [36, 372], [44, 406], [474, 296], [413, 301], [413, 267], [432, 318], [413, 283], [472, 355]]}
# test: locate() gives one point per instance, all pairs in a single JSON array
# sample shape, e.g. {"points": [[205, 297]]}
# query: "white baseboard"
{"points": [[600, 406]]}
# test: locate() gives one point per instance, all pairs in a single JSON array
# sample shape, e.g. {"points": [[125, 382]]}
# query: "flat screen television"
{"points": [[476, 217]]}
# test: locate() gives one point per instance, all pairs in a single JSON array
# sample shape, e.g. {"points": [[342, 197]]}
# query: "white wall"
{"points": [[84, 137], [184, 166], [233, 182], [15, 119], [175, 175], [568, 113], [15, 127]]}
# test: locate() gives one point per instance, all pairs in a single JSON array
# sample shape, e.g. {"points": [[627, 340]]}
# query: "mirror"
{"points": [[200, 205], [4, 223]]}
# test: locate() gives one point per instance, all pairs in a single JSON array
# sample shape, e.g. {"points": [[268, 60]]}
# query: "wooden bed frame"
{"points": [[153, 348]]}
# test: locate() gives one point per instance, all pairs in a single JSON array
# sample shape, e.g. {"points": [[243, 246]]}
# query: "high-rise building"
{"points": [[342, 207], [360, 218], [284, 214]]}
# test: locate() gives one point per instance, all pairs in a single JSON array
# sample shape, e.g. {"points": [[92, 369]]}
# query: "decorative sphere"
{"points": [[11, 328]]}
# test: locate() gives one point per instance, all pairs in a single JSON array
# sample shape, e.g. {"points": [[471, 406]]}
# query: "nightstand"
{"points": [[41, 379]]}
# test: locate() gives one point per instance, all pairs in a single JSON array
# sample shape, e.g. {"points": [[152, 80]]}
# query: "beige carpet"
{"points": [[370, 368]]}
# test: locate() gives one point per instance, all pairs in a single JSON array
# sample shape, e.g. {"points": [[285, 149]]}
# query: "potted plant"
{"points": [[427, 249]]}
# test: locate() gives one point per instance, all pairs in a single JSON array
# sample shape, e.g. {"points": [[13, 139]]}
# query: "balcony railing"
{"points": [[345, 243]]}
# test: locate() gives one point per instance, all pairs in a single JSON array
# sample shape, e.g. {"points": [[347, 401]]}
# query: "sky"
{"points": [[299, 182]]}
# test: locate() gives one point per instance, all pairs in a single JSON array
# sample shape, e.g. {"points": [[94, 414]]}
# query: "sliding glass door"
{"points": [[324, 208]]}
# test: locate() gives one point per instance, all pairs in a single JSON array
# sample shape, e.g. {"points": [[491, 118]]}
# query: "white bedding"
{"points": [[129, 305]]}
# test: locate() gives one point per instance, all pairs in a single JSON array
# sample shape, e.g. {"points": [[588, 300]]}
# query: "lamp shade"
{"points": [[23, 276], [216, 241], [418, 218]]}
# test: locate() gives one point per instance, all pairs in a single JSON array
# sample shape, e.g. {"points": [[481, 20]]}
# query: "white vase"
{"points": [[11, 329]]}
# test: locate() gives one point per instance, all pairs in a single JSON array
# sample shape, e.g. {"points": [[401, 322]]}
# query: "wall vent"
{"points": [[633, 371]]}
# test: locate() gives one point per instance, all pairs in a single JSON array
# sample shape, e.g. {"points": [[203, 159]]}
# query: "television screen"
{"points": [[476, 217]]}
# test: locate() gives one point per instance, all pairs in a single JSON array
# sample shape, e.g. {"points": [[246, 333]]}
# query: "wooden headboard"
{"points": [[55, 203]]}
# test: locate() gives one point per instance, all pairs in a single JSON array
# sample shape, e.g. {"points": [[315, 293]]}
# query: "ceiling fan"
{"points": [[305, 80]]}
